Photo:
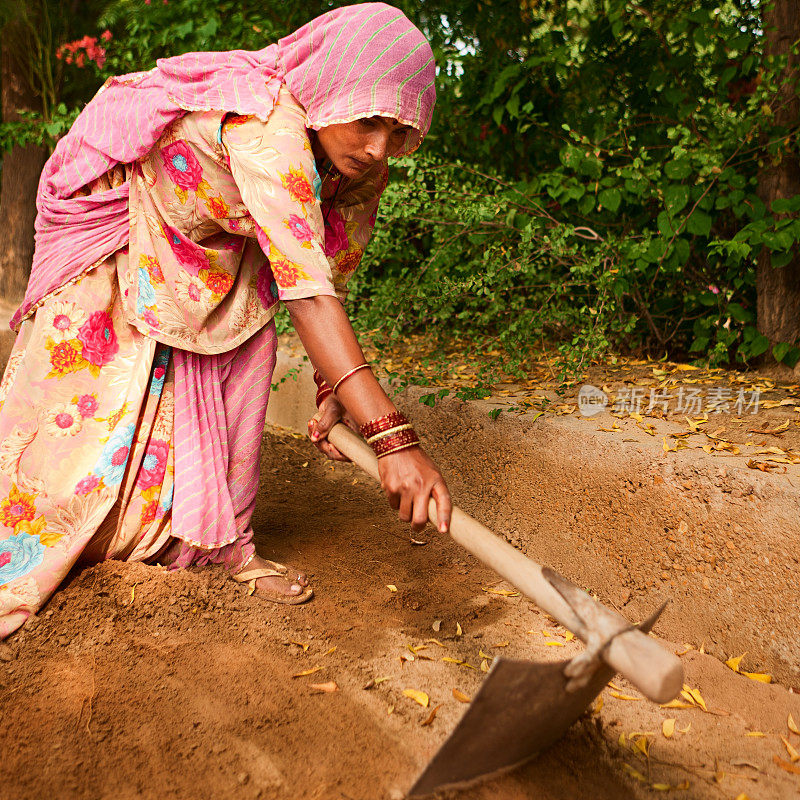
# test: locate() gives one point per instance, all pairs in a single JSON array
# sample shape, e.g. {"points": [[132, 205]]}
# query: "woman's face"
{"points": [[355, 146]]}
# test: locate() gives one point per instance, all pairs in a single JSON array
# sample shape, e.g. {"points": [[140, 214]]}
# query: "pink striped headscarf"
{"points": [[356, 61]]}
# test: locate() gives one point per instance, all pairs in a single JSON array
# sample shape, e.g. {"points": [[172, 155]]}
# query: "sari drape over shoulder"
{"points": [[181, 208]]}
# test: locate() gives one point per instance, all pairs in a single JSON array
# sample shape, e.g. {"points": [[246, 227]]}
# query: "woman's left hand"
{"points": [[330, 412]]}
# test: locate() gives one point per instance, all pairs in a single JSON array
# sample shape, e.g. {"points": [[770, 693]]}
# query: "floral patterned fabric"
{"points": [[229, 216], [171, 333]]}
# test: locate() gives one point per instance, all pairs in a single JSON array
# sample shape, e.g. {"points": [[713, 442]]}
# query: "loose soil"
{"points": [[139, 682]]}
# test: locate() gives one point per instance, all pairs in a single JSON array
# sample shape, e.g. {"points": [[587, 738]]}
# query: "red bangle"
{"points": [[381, 424], [322, 393], [395, 442]]}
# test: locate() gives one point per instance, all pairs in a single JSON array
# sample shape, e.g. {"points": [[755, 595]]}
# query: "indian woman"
{"points": [[183, 206]]}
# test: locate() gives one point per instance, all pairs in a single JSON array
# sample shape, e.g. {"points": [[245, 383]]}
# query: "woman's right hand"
{"points": [[410, 479], [329, 413]]}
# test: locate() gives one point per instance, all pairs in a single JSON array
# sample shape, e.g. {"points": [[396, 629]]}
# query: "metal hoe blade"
{"points": [[522, 708]]}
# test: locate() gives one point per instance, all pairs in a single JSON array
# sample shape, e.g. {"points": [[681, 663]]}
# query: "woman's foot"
{"points": [[274, 581]]}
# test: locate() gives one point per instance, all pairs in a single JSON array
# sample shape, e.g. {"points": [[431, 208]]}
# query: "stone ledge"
{"points": [[621, 518]]}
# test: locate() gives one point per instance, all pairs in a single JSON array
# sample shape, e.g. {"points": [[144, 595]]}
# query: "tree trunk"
{"points": [[778, 305], [18, 182]]}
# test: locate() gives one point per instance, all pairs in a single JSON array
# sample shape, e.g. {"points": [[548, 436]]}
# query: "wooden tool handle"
{"points": [[657, 673]]}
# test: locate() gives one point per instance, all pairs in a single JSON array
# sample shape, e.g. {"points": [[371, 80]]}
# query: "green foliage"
{"points": [[590, 178]]}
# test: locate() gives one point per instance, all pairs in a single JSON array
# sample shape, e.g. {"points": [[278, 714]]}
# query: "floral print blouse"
{"points": [[228, 216]]}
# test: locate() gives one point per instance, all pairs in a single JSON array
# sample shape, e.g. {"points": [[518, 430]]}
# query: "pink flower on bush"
{"points": [[154, 464], [98, 339], [87, 405], [300, 229], [88, 484], [182, 165], [191, 255], [335, 234], [713, 289]]}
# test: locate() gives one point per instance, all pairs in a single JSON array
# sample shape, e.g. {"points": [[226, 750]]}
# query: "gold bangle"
{"points": [[348, 374], [384, 434]]}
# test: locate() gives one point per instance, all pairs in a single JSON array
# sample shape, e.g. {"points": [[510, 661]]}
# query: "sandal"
{"points": [[274, 570]]}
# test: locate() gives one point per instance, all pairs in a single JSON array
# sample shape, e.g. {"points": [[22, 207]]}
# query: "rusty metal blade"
{"points": [[521, 708]]}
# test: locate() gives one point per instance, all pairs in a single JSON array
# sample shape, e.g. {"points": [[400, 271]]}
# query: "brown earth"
{"points": [[137, 682]]}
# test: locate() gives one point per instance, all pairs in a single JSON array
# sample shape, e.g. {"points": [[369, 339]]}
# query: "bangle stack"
{"points": [[389, 434], [323, 390]]}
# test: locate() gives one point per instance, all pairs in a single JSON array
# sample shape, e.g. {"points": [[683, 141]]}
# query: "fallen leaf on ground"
{"points": [[461, 697], [391, 587], [668, 728], [742, 796], [417, 696], [793, 754], [306, 672], [621, 696], [390, 710], [686, 729], [693, 696], [756, 734], [555, 644], [785, 765], [459, 632], [484, 665], [761, 677], [431, 717], [733, 663], [434, 641], [437, 624], [328, 652], [450, 660], [502, 644], [502, 592], [792, 725], [330, 686], [642, 745], [742, 762], [635, 774]]}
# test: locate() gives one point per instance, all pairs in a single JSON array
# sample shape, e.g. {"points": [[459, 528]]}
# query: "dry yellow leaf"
{"points": [[599, 705], [484, 665], [635, 774], [757, 734], [792, 725], [693, 696], [555, 644], [793, 754], [328, 652], [761, 677], [502, 592], [330, 686], [306, 672], [391, 587], [301, 644], [621, 696], [485, 655], [417, 696], [785, 765], [459, 632], [434, 641], [390, 710], [661, 787], [623, 740], [461, 697], [450, 660], [432, 716], [733, 663], [742, 796], [668, 728], [569, 636], [642, 745], [502, 644], [636, 415]]}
